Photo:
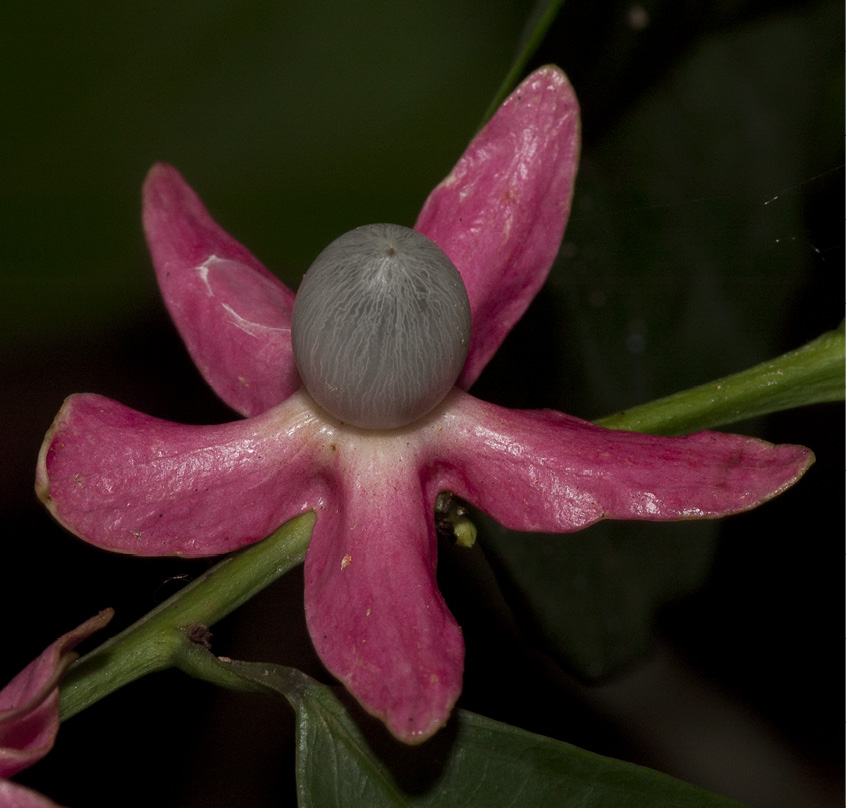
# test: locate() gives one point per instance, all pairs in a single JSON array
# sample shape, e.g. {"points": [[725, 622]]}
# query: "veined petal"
{"points": [[234, 315], [501, 213], [136, 484], [29, 704], [373, 608], [546, 471]]}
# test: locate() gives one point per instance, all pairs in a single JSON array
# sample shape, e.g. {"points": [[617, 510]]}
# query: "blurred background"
{"points": [[706, 235]]}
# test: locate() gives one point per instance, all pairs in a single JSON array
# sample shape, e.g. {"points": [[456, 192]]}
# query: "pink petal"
{"points": [[234, 316], [545, 471], [373, 607], [29, 704], [15, 796], [136, 484], [500, 214]]}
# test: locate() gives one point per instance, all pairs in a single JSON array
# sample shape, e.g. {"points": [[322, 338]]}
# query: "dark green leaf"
{"points": [[685, 255], [589, 599], [473, 762]]}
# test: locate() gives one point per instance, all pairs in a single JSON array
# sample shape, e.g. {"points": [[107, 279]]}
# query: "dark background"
{"points": [[706, 235]]}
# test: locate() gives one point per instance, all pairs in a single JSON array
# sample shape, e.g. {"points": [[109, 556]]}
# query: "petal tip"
{"points": [[414, 730], [158, 177]]}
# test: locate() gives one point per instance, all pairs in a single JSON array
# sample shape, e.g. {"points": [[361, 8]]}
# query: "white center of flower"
{"points": [[381, 326]]}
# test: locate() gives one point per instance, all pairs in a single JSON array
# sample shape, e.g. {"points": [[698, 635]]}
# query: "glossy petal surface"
{"points": [[546, 471], [373, 607], [234, 316], [501, 212], [131, 483], [135, 484], [29, 704]]}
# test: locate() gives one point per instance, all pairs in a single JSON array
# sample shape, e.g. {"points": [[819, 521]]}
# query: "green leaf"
{"points": [[685, 259], [473, 762], [811, 374], [589, 599]]}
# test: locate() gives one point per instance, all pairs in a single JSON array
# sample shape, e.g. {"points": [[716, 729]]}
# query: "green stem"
{"points": [[811, 374], [537, 26], [156, 641], [199, 662]]}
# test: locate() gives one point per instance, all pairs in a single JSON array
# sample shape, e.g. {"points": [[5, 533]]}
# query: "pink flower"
{"points": [[131, 483], [29, 713]]}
